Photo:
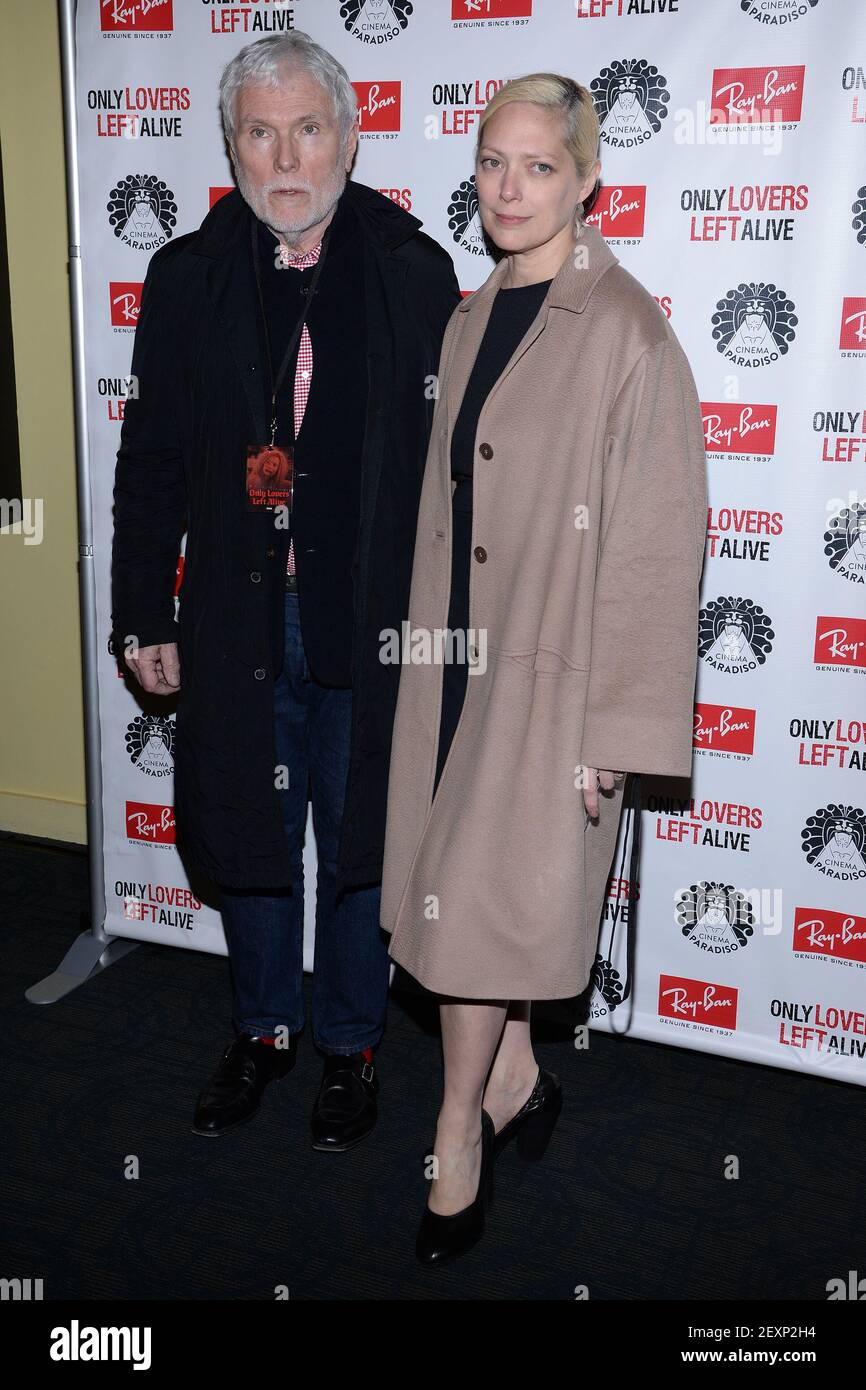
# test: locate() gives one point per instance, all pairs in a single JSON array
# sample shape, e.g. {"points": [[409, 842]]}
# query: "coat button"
{"points": [[260, 673], [486, 451], [255, 577], [480, 554]]}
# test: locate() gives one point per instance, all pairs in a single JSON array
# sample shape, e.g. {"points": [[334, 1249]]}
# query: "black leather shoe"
{"points": [[534, 1122], [345, 1108], [233, 1093], [445, 1237]]}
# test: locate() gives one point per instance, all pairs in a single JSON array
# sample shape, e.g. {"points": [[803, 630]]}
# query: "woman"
{"points": [[561, 526]]}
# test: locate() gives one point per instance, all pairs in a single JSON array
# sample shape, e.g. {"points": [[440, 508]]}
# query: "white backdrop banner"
{"points": [[734, 188]]}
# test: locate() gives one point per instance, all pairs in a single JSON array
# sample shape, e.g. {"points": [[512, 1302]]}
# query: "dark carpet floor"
{"points": [[631, 1199]]}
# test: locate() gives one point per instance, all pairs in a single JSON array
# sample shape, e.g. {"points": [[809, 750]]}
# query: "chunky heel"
{"points": [[533, 1124], [534, 1134]]}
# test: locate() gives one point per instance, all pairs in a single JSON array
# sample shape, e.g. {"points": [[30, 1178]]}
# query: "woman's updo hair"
{"points": [[580, 129]]}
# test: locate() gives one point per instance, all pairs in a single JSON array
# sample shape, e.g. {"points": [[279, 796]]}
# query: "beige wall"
{"points": [[41, 732]]}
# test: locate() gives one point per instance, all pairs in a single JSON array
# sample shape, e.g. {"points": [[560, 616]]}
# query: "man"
{"points": [[275, 659]]}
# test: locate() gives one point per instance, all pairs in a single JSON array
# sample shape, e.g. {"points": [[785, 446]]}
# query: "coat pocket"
{"points": [[545, 661]]}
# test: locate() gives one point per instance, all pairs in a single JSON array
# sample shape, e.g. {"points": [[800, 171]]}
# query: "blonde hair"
{"points": [[580, 133]]}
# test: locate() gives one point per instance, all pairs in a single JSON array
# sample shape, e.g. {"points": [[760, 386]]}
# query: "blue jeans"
{"points": [[265, 933]]}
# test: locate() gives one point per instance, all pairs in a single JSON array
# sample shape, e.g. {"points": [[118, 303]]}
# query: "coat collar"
{"points": [[223, 237], [380, 219], [570, 289], [573, 283]]}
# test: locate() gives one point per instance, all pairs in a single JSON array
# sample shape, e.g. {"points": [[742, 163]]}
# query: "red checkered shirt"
{"points": [[304, 368]]}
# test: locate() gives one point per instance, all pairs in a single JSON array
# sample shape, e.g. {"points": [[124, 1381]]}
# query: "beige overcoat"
{"points": [[589, 521]]}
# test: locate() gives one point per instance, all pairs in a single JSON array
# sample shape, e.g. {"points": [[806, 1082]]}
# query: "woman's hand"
{"points": [[595, 777]]}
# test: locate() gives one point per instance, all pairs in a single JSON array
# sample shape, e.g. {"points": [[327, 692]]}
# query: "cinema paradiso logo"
{"points": [[777, 12], [606, 986], [464, 222], [142, 211], [834, 842], [858, 207], [375, 21], [734, 635], [631, 100], [754, 325], [845, 543], [715, 917], [150, 744]]}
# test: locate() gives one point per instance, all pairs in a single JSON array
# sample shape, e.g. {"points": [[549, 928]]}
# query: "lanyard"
{"points": [[276, 384]]}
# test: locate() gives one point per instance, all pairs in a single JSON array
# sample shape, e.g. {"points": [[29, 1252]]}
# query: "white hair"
{"points": [[266, 61]]}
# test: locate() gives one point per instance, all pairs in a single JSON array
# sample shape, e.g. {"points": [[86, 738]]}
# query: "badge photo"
{"points": [[269, 477]]}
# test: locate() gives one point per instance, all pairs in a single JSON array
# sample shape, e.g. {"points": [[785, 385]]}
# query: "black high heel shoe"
{"points": [[535, 1120], [444, 1237]]}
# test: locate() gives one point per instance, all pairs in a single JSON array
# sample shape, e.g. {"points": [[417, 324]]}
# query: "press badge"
{"points": [[270, 475]]}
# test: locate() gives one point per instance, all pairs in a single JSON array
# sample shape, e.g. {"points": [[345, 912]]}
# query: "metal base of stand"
{"points": [[88, 955]]}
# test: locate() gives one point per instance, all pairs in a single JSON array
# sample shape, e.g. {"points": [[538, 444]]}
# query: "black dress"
{"points": [[512, 313]]}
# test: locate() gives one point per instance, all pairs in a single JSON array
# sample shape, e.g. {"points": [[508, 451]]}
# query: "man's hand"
{"points": [[157, 669], [594, 778]]}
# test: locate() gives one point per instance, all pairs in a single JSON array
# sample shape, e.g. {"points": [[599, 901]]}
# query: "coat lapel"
{"points": [[232, 289], [570, 289], [224, 236], [474, 312]]}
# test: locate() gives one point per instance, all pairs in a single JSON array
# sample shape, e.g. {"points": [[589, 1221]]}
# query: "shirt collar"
{"points": [[270, 242], [573, 283]]}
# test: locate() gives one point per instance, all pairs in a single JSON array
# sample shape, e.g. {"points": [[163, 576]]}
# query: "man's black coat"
{"points": [[198, 372]]}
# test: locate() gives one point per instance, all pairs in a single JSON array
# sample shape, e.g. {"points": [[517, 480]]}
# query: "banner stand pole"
{"points": [[94, 950]]}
